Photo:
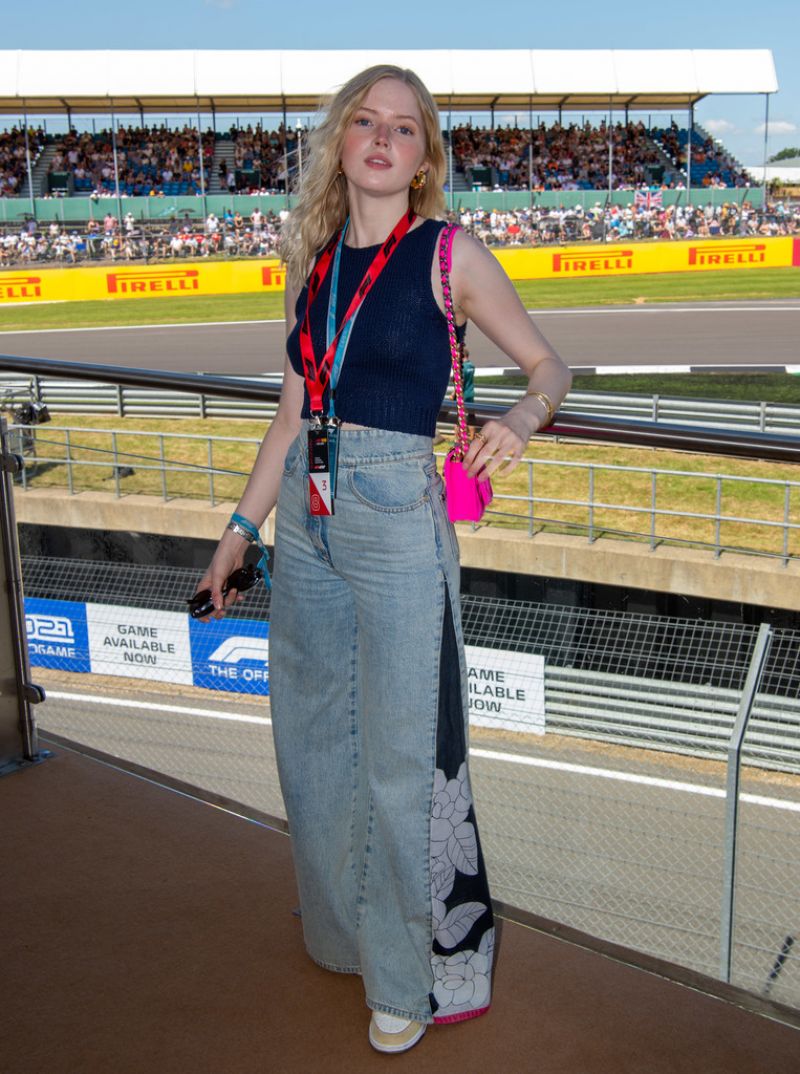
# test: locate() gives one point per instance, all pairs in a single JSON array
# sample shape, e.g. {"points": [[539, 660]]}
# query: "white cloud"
{"points": [[719, 126], [777, 126]]}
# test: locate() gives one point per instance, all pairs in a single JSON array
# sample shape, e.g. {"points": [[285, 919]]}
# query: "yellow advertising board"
{"points": [[174, 278], [121, 280], [633, 258]]}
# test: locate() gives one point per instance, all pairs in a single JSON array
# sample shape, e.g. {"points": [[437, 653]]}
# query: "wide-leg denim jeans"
{"points": [[368, 693]]}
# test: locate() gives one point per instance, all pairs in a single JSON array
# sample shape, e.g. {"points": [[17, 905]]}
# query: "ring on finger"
{"points": [[479, 436]]}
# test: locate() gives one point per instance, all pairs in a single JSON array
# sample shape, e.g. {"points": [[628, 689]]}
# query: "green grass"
{"points": [[689, 491], [661, 287], [536, 294], [746, 387]]}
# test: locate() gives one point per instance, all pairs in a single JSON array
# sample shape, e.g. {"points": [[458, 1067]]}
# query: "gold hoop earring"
{"points": [[419, 180]]}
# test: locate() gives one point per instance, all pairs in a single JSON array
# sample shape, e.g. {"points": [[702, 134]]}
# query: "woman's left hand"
{"points": [[493, 443]]}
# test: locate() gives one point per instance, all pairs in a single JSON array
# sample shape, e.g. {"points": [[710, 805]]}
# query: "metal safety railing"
{"points": [[79, 397], [146, 462], [669, 825]]}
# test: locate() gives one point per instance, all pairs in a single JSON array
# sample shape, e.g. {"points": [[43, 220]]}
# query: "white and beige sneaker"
{"points": [[390, 1034]]}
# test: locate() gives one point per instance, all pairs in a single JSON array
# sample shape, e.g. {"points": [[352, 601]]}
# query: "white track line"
{"points": [[631, 777], [488, 755], [637, 310], [120, 702]]}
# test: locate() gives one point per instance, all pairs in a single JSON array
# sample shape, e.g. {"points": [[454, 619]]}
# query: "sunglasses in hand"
{"points": [[201, 604]]}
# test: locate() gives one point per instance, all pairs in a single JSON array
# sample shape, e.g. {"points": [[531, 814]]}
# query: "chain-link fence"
{"points": [[600, 749]]}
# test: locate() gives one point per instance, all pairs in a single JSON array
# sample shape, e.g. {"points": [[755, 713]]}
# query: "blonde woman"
{"points": [[368, 681]]}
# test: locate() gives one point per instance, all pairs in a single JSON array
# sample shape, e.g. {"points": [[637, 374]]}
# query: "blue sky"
{"points": [[231, 24]]}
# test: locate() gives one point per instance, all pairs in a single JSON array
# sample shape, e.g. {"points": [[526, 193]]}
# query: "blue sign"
{"points": [[57, 634], [230, 654]]}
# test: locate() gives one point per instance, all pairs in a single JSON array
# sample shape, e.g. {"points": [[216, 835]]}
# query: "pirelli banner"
{"points": [[633, 258], [182, 278], [166, 280]]}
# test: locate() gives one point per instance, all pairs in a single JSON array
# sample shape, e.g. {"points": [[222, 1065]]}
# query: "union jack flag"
{"points": [[648, 199]]}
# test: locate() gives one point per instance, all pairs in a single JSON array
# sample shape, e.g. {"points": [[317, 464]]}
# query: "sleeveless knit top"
{"points": [[397, 366]]}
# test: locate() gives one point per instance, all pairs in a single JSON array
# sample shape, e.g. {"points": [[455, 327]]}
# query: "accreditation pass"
{"points": [[320, 495]]}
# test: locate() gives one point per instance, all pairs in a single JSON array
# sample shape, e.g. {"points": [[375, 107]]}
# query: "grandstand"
{"points": [[156, 173]]}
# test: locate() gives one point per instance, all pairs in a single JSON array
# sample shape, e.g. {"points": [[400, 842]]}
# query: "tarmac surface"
{"points": [[727, 334]]}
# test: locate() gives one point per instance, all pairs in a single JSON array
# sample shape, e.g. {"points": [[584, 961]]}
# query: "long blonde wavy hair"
{"points": [[321, 208]]}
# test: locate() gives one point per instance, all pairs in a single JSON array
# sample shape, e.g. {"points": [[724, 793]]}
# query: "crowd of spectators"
{"points": [[156, 161], [233, 235], [555, 157], [711, 165], [260, 159], [13, 159], [542, 226], [151, 161], [576, 157], [130, 240]]}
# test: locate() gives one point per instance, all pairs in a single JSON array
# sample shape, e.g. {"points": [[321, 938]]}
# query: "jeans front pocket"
{"points": [[439, 501], [390, 487], [292, 457]]}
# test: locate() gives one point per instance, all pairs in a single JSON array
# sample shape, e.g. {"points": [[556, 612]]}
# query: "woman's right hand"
{"points": [[228, 557]]}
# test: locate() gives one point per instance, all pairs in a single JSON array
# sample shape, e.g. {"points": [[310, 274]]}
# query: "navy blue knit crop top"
{"points": [[396, 369]]}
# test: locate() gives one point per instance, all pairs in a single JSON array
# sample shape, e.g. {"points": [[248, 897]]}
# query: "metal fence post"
{"points": [[18, 741], [787, 503], [115, 464], [211, 471], [735, 743], [653, 504], [163, 467], [69, 462], [718, 520]]}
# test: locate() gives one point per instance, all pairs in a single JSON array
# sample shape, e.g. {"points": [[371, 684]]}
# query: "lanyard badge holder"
{"points": [[323, 436], [320, 478]]}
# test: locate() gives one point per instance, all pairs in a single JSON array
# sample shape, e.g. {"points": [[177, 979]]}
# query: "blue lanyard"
{"points": [[344, 338]]}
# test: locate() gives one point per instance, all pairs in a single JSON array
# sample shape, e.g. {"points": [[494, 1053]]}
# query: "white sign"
{"points": [[506, 690], [139, 643]]}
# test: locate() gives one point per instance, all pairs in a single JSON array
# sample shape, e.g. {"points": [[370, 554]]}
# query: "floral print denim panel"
{"points": [[463, 925]]}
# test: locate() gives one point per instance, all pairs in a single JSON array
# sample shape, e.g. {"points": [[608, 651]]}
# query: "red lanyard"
{"points": [[318, 375]]}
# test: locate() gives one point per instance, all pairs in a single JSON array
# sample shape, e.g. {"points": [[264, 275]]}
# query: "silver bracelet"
{"points": [[240, 531]]}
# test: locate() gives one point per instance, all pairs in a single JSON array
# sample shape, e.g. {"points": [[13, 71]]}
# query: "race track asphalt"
{"points": [[738, 334]]}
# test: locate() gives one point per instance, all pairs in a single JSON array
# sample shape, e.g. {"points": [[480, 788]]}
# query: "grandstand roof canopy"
{"points": [[461, 79]]}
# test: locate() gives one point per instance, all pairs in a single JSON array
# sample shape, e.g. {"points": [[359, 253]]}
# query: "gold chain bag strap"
{"points": [[467, 497]]}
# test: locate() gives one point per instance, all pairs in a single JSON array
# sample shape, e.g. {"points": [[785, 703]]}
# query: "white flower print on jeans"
{"points": [[463, 981], [454, 844]]}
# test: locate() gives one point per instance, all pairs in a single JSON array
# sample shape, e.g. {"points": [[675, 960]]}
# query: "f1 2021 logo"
{"points": [[50, 635]]}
